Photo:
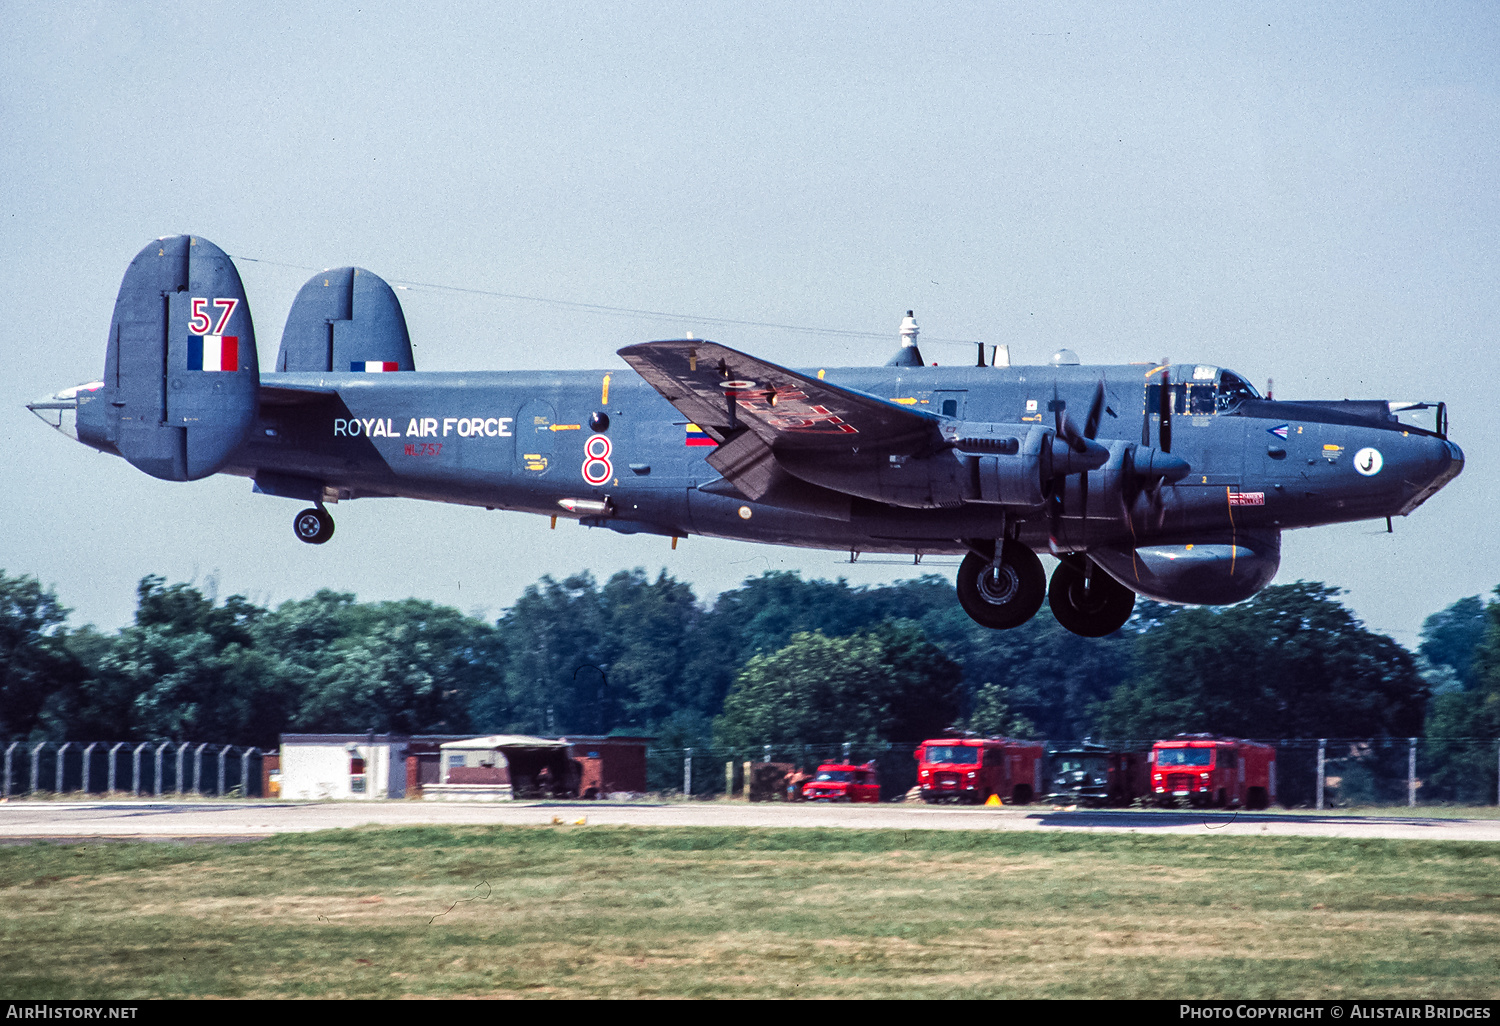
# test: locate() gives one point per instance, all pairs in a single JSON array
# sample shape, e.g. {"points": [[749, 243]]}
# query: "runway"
{"points": [[209, 820]]}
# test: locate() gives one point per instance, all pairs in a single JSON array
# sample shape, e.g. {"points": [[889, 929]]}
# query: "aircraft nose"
{"points": [[1439, 462], [60, 409]]}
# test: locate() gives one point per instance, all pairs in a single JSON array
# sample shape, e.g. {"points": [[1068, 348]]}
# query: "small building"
{"points": [[499, 767], [317, 767], [461, 767], [612, 764]]}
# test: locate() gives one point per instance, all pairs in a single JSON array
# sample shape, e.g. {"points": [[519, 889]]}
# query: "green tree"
{"points": [[647, 628], [36, 663], [555, 629], [1462, 725], [1450, 638], [886, 685], [410, 667], [1291, 662], [186, 669]]}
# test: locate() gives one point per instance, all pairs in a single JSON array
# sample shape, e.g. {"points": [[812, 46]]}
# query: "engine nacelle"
{"points": [[1214, 570], [1008, 470], [1014, 468]]}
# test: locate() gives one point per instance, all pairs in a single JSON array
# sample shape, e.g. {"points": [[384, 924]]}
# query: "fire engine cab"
{"points": [[1205, 770], [840, 782], [971, 769]]}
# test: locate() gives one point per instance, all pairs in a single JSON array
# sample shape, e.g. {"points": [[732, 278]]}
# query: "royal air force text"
{"points": [[423, 427]]}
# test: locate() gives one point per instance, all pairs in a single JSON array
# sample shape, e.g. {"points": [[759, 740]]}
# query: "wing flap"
{"points": [[723, 390]]}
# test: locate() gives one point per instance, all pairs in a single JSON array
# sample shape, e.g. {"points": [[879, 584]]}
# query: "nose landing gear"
{"points": [[314, 526]]}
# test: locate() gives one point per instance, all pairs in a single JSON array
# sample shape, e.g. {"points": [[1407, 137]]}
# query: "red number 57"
{"points": [[201, 321]]}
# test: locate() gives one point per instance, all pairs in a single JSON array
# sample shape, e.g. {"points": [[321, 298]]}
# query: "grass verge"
{"points": [[579, 911]]}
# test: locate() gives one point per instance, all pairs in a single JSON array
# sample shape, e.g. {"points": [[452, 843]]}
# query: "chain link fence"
{"points": [[140, 768], [1354, 771]]}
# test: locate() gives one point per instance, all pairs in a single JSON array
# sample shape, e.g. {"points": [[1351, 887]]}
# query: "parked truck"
{"points": [[1093, 774], [841, 782], [1209, 771], [959, 768]]}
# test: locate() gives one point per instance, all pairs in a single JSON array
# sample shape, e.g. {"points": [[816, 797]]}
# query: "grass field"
{"points": [[581, 911]]}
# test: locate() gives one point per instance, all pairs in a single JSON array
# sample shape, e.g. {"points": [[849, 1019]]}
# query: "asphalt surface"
{"points": [[208, 820]]}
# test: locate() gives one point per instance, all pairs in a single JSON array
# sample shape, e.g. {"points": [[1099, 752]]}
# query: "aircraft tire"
{"points": [[1089, 609], [1004, 593], [313, 526]]}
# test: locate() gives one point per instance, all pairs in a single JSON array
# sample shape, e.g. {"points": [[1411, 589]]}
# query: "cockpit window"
{"points": [[1234, 389], [1204, 396]]}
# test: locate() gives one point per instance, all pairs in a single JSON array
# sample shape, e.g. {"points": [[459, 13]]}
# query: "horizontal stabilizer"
{"points": [[283, 395], [723, 390]]}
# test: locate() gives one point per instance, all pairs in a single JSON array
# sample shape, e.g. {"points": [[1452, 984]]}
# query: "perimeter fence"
{"points": [[155, 768], [1310, 772]]}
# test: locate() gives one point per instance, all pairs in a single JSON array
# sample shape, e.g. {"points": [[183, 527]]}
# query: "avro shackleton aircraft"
{"points": [[1173, 482]]}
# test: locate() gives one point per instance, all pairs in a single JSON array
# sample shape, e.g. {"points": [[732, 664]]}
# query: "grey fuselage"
{"points": [[516, 441]]}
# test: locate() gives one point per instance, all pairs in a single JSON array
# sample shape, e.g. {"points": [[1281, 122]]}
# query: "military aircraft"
{"points": [[1169, 481]]}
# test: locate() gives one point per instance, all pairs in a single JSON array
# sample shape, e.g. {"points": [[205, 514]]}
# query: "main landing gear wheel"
{"points": [[1003, 593], [1090, 604], [313, 526]]}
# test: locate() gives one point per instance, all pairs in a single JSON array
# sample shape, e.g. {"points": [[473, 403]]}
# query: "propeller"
{"points": [[1079, 443], [1147, 471]]}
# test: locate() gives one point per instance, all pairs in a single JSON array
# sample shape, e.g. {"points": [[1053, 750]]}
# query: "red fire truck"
{"points": [[1206, 770], [970, 769], [838, 782]]}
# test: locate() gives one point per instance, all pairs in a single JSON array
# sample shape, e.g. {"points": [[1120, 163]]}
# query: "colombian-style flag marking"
{"points": [[214, 352], [372, 366], [695, 436]]}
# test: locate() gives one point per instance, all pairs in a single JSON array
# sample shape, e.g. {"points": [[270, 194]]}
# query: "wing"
{"points": [[724, 391]]}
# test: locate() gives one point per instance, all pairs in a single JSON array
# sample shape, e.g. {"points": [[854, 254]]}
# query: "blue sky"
{"points": [[1299, 192]]}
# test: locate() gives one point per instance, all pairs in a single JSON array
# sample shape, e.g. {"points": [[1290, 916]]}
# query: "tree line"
{"points": [[777, 660]]}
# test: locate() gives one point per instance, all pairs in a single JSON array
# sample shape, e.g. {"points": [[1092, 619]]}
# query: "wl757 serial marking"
{"points": [[1142, 479]]}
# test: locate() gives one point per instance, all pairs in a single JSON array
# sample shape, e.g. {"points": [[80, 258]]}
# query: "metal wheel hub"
{"points": [[999, 584]]}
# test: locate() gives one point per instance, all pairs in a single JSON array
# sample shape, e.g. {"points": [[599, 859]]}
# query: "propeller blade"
{"points": [[1096, 411], [1164, 432]]}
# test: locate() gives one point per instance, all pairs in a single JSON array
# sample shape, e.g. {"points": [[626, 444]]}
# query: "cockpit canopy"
{"points": [[1205, 392]]}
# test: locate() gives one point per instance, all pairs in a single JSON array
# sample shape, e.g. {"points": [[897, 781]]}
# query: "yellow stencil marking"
{"points": [[820, 375], [905, 402], [604, 399], [566, 427]]}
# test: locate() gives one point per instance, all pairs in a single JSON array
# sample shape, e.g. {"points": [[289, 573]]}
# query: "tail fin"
{"points": [[345, 320], [181, 379]]}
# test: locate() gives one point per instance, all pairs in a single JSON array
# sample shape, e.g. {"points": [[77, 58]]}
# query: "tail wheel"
{"points": [[1005, 592], [1087, 601], [313, 526]]}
